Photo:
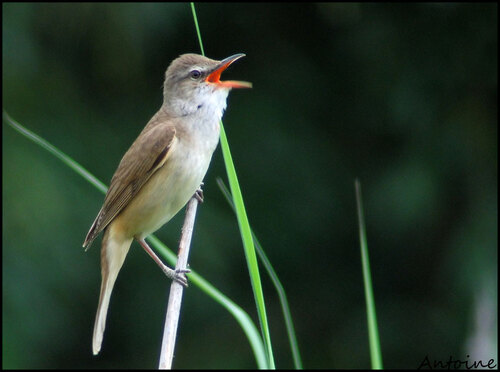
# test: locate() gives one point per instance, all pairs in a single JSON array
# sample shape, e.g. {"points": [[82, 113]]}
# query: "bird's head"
{"points": [[192, 81]]}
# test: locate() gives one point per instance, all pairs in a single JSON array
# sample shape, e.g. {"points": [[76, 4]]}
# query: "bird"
{"points": [[163, 168]]}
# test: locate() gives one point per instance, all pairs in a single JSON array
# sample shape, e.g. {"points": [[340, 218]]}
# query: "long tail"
{"points": [[113, 253]]}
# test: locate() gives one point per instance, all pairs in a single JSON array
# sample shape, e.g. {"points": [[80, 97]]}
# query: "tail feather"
{"points": [[113, 254]]}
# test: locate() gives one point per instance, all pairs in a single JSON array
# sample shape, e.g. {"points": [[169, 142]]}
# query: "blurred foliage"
{"points": [[403, 96]]}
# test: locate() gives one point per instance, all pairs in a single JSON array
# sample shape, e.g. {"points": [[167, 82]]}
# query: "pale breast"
{"points": [[171, 187]]}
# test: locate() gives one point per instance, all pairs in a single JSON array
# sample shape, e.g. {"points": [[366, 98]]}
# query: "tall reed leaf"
{"points": [[244, 226], [375, 353]]}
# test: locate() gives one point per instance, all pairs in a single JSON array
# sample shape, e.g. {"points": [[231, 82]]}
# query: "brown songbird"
{"points": [[162, 169]]}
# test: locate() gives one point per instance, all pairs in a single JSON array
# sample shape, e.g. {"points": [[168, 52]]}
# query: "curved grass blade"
{"points": [[56, 152]]}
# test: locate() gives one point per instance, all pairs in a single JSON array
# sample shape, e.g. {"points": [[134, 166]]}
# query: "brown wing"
{"points": [[146, 155]]}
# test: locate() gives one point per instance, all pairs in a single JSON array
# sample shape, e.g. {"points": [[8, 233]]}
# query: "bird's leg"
{"points": [[177, 275], [198, 194]]}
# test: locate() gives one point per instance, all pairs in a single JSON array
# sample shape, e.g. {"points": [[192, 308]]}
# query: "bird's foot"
{"points": [[199, 194], [177, 275]]}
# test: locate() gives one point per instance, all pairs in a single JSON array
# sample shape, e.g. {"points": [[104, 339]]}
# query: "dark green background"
{"points": [[402, 96]]}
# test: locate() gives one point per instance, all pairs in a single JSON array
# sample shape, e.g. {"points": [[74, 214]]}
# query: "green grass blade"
{"points": [[248, 245], [244, 226], [56, 152], [277, 284], [241, 316], [375, 353], [193, 10]]}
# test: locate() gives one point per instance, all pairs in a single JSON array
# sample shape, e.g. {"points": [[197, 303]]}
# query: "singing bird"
{"points": [[162, 169]]}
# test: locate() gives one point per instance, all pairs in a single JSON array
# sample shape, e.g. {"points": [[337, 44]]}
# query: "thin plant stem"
{"points": [[176, 289]]}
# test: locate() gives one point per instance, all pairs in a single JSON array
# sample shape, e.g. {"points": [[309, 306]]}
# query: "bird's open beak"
{"points": [[214, 76]]}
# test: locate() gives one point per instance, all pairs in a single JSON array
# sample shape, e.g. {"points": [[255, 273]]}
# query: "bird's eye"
{"points": [[195, 74]]}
